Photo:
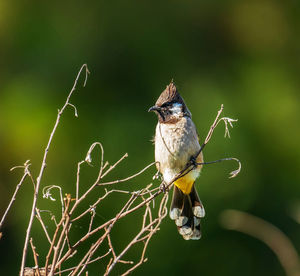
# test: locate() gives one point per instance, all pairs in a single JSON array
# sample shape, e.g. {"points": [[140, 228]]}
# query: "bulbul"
{"points": [[177, 143]]}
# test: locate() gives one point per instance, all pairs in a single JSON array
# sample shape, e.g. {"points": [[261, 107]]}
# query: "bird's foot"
{"points": [[163, 187], [193, 161]]}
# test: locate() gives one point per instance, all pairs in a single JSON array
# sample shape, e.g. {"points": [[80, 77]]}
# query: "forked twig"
{"points": [[162, 214], [35, 257], [13, 198], [91, 261], [39, 178], [38, 216]]}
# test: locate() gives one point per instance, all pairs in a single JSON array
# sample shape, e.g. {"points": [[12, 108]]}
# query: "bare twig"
{"points": [[93, 213], [26, 172], [129, 177], [77, 178], [212, 128], [95, 184], [113, 166], [92, 261], [35, 257], [43, 166], [95, 246], [226, 120], [54, 238], [162, 213], [38, 216], [233, 173], [66, 221]]}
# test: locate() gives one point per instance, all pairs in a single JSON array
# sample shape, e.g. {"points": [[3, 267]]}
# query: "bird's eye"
{"points": [[165, 105]]}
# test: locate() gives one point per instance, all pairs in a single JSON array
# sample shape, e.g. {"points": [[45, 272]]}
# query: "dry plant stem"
{"points": [[13, 198], [104, 196], [39, 178], [77, 179], [91, 221], [113, 251], [35, 256], [233, 173], [147, 238], [142, 259], [95, 184], [102, 159], [100, 176], [38, 216], [150, 198], [211, 130], [113, 166], [88, 159], [56, 248], [161, 215], [278, 242], [144, 229], [68, 242], [95, 246], [147, 213], [110, 245], [92, 206], [92, 261], [54, 239], [129, 177]]}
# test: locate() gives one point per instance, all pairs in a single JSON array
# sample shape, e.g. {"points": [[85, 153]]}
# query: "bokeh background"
{"points": [[243, 54]]}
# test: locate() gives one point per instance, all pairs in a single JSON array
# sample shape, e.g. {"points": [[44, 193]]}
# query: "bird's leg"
{"points": [[163, 187], [193, 161]]}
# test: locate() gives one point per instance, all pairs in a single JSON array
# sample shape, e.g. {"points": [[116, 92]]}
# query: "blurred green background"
{"points": [[243, 54]]}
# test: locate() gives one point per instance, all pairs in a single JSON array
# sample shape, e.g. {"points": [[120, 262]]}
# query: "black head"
{"points": [[170, 106]]}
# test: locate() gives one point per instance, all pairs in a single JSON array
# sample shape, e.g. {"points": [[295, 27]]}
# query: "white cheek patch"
{"points": [[176, 109]]}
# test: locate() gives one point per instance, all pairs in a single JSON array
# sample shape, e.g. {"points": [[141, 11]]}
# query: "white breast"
{"points": [[175, 144]]}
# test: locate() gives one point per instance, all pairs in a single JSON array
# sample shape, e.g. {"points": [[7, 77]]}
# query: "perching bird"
{"points": [[176, 144]]}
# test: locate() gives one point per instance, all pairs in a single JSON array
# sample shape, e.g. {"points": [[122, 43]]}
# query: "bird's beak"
{"points": [[154, 108]]}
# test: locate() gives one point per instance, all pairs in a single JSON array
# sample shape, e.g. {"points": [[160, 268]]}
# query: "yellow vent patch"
{"points": [[185, 183]]}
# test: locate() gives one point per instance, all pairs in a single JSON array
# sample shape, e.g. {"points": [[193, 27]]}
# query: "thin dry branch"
{"points": [[233, 173], [43, 166], [101, 175], [38, 216], [56, 233], [92, 261], [161, 215], [26, 173], [129, 177], [95, 246], [65, 222], [35, 257]]}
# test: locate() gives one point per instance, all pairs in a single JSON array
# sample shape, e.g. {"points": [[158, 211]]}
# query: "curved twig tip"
{"points": [[237, 171]]}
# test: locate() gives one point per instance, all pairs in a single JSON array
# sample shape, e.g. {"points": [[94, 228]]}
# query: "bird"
{"points": [[176, 144]]}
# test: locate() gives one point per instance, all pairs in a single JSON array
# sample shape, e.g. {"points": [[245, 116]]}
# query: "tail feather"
{"points": [[197, 205], [177, 203], [187, 210]]}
